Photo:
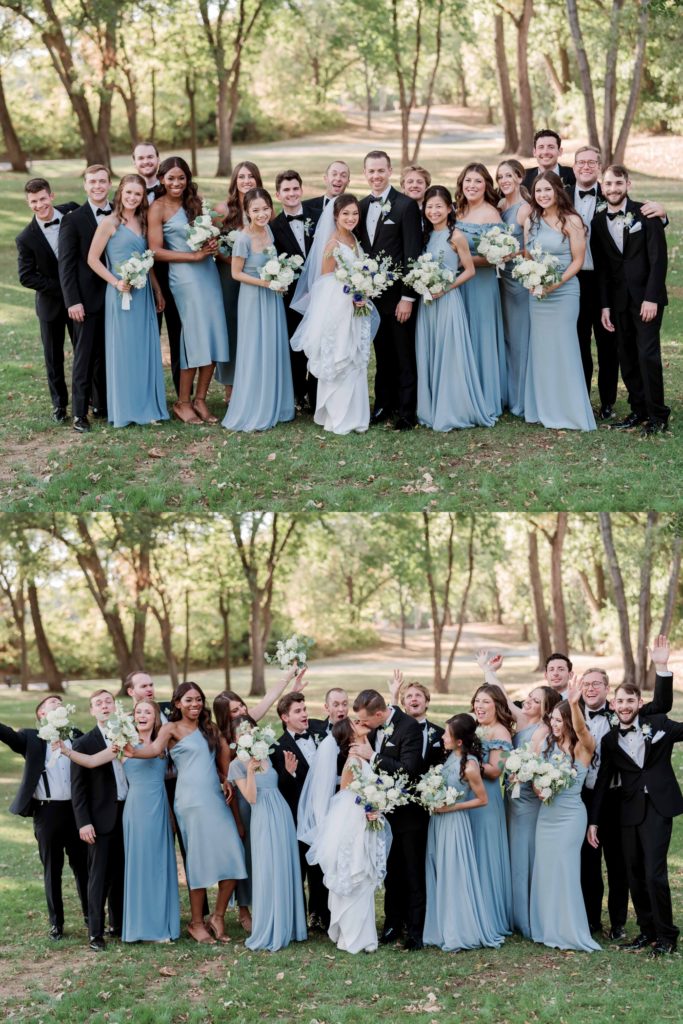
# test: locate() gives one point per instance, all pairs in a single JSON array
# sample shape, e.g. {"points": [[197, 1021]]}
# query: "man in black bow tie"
{"points": [[414, 698], [38, 254], [547, 151]]}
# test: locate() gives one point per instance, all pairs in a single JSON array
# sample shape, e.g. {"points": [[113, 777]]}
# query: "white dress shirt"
{"points": [[58, 777], [633, 743], [374, 214], [150, 193], [598, 727], [51, 233], [106, 206], [585, 207], [380, 734], [615, 227], [119, 774], [297, 228], [307, 746]]}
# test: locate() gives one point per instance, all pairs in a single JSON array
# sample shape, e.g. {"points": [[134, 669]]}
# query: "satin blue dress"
{"points": [[135, 377], [212, 844], [515, 302], [491, 848], [481, 296], [278, 913], [457, 915], [197, 292], [263, 393], [555, 391], [522, 816], [557, 913], [151, 906], [449, 392]]}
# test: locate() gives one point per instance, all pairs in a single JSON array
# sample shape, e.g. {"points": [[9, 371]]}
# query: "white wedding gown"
{"points": [[337, 345], [353, 859]]}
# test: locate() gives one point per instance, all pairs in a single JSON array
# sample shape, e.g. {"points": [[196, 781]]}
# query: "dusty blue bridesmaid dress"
{"points": [[522, 816], [491, 848], [515, 303]]}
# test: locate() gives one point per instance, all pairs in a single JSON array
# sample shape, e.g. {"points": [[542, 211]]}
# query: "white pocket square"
{"points": [[658, 735], [636, 227], [389, 222], [389, 744]]}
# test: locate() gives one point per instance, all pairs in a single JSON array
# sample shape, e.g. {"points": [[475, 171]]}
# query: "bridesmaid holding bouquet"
{"points": [[514, 210]]}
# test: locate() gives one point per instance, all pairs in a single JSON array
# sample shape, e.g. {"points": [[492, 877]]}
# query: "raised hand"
{"points": [[299, 681], [659, 651], [488, 661], [395, 684], [573, 688], [291, 762]]}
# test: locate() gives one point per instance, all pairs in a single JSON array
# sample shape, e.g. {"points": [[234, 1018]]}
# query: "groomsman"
{"points": [[291, 759], [337, 707], [415, 698], [98, 796], [38, 253], [293, 231], [45, 796], [84, 293], [391, 224], [336, 177], [548, 150], [146, 161], [394, 745], [629, 251], [639, 749], [140, 686]]}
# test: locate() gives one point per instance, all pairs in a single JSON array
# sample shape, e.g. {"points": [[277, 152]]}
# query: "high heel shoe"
{"points": [[202, 410], [202, 934], [245, 919], [184, 411], [216, 925]]}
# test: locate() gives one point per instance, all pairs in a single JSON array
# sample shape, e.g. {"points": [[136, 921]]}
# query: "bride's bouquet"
{"points": [[120, 729], [537, 272], [134, 272], [287, 652], [428, 276], [496, 244], [379, 794], [57, 725], [521, 765], [555, 774], [202, 230], [432, 791], [257, 741], [364, 278], [280, 271]]}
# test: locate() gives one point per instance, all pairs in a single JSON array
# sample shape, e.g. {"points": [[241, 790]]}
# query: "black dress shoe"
{"points": [[653, 427], [56, 932], [379, 416], [606, 412], [114, 933], [414, 942], [616, 933], [388, 936], [59, 414], [640, 942], [97, 944], [82, 425], [403, 424], [99, 414], [634, 419], [663, 948]]}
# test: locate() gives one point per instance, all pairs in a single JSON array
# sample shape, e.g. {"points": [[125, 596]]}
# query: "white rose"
{"points": [[272, 267]]}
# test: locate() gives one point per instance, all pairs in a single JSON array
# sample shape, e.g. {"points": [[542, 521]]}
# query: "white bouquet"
{"points": [[294, 649], [555, 774], [226, 241], [134, 272], [428, 276], [538, 271], [521, 765], [432, 791], [202, 230], [280, 271], [496, 243], [379, 794], [57, 726], [120, 729], [257, 741], [364, 278]]}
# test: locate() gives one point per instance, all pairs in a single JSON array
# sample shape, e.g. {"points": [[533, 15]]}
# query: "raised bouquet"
{"points": [[202, 230], [120, 729], [521, 765], [226, 241], [537, 271], [379, 794], [364, 278], [555, 773], [57, 725], [280, 271], [257, 741], [432, 790], [294, 649], [496, 244], [428, 276], [134, 272]]}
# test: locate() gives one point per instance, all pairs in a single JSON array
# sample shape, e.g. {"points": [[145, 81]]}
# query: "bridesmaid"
{"points": [[227, 727], [488, 823], [135, 377], [514, 210], [476, 207], [230, 217], [558, 914], [232, 705], [279, 914], [457, 917], [194, 282], [449, 393], [263, 391], [553, 394], [214, 853]]}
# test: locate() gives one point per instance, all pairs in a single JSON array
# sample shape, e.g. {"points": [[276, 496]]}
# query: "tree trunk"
{"points": [[368, 94], [511, 139], [619, 596], [636, 80], [553, 76], [560, 638], [429, 98], [186, 653], [463, 602], [540, 612], [258, 650], [497, 606], [584, 73], [224, 608], [52, 674], [16, 155], [166, 633], [610, 100], [672, 597], [190, 92], [526, 113], [153, 104], [644, 601], [224, 168]]}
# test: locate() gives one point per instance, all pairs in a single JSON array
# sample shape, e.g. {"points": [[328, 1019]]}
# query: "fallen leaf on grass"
{"points": [[280, 976], [272, 457], [167, 972], [155, 453]]}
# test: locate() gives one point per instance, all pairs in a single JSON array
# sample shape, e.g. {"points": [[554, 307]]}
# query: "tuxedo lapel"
{"points": [[42, 242]]}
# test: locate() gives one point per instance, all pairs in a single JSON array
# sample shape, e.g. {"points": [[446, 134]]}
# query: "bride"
{"points": [[336, 342], [352, 857]]}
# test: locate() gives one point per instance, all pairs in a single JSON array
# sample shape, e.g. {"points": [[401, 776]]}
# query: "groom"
{"points": [[390, 225]]}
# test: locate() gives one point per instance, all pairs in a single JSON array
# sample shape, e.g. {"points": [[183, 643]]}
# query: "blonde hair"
{"points": [[414, 685], [416, 169]]}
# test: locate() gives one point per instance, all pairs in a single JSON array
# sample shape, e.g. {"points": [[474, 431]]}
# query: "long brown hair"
{"points": [[204, 723], [518, 170], [234, 216], [500, 703], [191, 200], [344, 735], [565, 710], [564, 204], [157, 715], [490, 196], [221, 710], [141, 210], [550, 699]]}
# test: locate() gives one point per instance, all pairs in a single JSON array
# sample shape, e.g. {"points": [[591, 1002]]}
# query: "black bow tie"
{"points": [[596, 714], [611, 216], [375, 199], [625, 732], [303, 736], [587, 192], [152, 191], [50, 223], [102, 213], [294, 216]]}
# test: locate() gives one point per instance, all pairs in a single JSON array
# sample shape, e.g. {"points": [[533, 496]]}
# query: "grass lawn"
{"points": [[513, 466], [312, 983]]}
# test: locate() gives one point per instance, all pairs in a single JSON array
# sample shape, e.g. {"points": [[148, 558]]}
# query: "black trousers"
{"points": [[405, 891], [317, 893], [89, 375], [173, 323], [588, 326], [646, 847], [640, 359], [52, 335], [592, 885], [55, 829], [305, 384], [396, 373], [105, 877]]}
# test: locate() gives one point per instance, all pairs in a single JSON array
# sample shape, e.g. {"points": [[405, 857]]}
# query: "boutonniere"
{"points": [[385, 207], [430, 732], [646, 731], [625, 220], [308, 227], [613, 720], [601, 206], [316, 737], [389, 731]]}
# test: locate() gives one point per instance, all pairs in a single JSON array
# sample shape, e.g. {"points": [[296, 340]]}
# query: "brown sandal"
{"points": [[200, 933], [184, 411], [245, 919], [216, 926], [202, 410]]}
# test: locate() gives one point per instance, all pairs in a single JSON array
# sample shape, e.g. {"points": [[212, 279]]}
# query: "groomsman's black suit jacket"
{"points": [[38, 268], [93, 790], [290, 785], [398, 235], [28, 743], [435, 749], [566, 173], [639, 273], [79, 283], [401, 751]]}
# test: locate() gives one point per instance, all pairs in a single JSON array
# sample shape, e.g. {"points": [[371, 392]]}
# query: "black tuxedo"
{"points": [[39, 270], [434, 753], [566, 173], [94, 796], [82, 285], [53, 823], [305, 384], [398, 235], [651, 798], [626, 280], [313, 208]]}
